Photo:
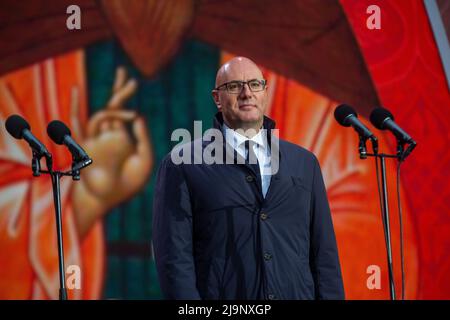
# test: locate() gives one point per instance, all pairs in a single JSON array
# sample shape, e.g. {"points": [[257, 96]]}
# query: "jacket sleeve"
{"points": [[172, 234], [324, 258]]}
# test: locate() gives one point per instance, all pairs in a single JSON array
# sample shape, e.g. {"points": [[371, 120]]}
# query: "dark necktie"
{"points": [[251, 158]]}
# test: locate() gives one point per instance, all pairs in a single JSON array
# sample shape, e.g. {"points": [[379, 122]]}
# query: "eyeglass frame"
{"points": [[263, 81]]}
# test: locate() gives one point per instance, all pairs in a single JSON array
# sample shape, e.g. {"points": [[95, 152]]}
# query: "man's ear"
{"points": [[215, 95]]}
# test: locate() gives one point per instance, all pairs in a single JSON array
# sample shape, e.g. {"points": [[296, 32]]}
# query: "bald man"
{"points": [[256, 227]]}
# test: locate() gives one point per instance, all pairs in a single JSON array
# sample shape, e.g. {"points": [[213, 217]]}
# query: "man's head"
{"points": [[242, 105]]}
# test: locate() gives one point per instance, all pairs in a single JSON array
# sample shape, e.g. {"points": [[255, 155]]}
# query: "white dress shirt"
{"points": [[260, 148]]}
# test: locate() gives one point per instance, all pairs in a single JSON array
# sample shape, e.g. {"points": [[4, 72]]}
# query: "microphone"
{"points": [[19, 128], [60, 134], [383, 119], [346, 116]]}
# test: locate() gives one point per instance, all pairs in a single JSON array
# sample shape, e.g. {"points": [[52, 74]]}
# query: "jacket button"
{"points": [[271, 297], [249, 178], [267, 256], [263, 216]]}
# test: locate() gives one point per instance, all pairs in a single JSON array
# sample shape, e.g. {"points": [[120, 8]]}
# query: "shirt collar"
{"points": [[237, 139]]}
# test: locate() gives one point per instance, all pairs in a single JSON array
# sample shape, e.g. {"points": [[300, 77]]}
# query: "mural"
{"points": [[138, 70]]}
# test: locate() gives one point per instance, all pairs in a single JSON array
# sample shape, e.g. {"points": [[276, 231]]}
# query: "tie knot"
{"points": [[249, 144]]}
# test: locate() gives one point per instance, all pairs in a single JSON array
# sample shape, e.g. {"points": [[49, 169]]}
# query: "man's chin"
{"points": [[250, 116]]}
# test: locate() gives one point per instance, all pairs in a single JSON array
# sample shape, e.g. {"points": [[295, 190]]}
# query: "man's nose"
{"points": [[245, 92]]}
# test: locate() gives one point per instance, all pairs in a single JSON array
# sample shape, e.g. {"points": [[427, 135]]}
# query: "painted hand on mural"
{"points": [[122, 160]]}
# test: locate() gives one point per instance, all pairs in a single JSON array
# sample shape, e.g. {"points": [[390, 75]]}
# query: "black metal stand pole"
{"points": [[56, 176], [385, 212], [400, 156], [77, 165], [387, 229]]}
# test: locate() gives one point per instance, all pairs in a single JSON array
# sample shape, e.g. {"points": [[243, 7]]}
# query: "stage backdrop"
{"points": [[123, 87]]}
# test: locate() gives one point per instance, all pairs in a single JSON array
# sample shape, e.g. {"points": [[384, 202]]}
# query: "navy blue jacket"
{"points": [[216, 237]]}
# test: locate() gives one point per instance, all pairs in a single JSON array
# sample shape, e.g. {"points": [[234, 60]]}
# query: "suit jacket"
{"points": [[216, 237]]}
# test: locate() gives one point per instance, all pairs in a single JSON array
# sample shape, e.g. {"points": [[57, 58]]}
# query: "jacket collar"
{"points": [[268, 124]]}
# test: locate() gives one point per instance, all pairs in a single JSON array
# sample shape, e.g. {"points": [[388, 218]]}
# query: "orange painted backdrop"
{"points": [[408, 76]]}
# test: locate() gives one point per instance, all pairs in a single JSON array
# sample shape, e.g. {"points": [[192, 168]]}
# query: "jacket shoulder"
{"points": [[185, 153], [296, 151]]}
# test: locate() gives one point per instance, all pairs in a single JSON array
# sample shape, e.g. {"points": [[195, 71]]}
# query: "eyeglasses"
{"points": [[236, 87]]}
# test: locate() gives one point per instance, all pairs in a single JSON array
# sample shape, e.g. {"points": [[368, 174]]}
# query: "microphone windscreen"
{"points": [[378, 116], [342, 112], [57, 130], [15, 125]]}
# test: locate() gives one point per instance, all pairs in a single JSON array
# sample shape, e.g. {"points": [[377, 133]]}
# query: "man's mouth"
{"points": [[247, 106]]}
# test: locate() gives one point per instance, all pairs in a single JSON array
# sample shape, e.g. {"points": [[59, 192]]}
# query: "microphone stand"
{"points": [[401, 155], [386, 222], [56, 178]]}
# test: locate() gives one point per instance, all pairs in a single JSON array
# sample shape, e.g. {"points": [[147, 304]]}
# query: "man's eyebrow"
{"points": [[243, 80]]}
